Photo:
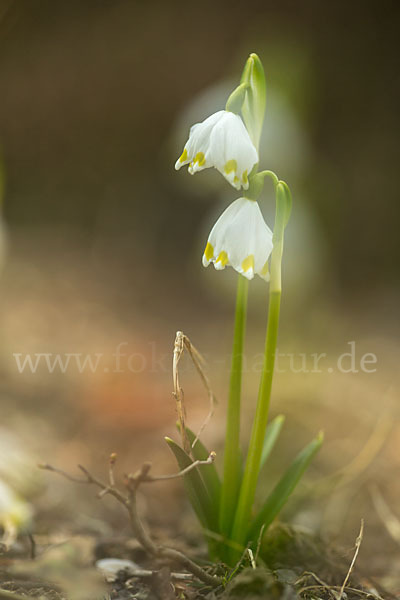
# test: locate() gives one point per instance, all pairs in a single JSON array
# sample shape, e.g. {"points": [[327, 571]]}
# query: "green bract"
{"points": [[253, 109]]}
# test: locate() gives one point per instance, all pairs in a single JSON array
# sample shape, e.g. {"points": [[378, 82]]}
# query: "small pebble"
{"points": [[110, 567]]}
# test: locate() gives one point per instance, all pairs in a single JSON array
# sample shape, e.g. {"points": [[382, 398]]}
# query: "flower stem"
{"points": [[249, 483], [232, 455]]}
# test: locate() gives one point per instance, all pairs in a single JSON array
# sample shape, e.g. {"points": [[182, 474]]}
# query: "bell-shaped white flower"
{"points": [[221, 141], [241, 239]]}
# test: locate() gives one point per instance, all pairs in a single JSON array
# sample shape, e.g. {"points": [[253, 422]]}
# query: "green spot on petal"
{"points": [[230, 166]]}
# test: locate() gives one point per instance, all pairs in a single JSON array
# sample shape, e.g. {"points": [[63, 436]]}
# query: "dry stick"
{"points": [[358, 544], [184, 471], [251, 558], [144, 477], [239, 562], [144, 573], [198, 362], [178, 391], [112, 461], [129, 501], [182, 342], [321, 583]]}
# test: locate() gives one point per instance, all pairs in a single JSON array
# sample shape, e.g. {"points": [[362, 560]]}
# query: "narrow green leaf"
{"points": [[195, 488], [271, 435], [284, 487], [208, 472]]}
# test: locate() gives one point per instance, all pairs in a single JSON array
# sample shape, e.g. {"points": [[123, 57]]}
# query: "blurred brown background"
{"points": [[104, 239]]}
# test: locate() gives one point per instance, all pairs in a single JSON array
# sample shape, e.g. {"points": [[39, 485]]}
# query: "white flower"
{"points": [[15, 514], [221, 141], [241, 239]]}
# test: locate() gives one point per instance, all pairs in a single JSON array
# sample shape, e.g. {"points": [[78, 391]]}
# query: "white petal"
{"points": [[220, 141], [231, 150], [240, 238], [198, 142]]}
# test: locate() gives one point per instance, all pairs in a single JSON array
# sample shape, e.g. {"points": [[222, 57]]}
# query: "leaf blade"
{"points": [[285, 486], [271, 435], [209, 473], [195, 488]]}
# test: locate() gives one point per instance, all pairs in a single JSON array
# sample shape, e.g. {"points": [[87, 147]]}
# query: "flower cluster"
{"points": [[240, 238]]}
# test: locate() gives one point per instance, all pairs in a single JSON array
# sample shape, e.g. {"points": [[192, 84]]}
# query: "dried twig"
{"points": [[357, 549], [182, 342], [320, 582], [198, 362], [132, 483], [112, 461], [144, 573], [178, 391], [185, 471], [239, 563], [251, 558]]}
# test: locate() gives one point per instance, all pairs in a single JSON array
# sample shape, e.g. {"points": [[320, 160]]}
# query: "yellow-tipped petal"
{"points": [[200, 159], [230, 166], [222, 258], [184, 156], [248, 263], [209, 252], [265, 270]]}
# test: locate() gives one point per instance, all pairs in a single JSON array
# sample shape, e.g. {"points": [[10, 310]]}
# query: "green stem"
{"points": [[249, 483], [232, 455]]}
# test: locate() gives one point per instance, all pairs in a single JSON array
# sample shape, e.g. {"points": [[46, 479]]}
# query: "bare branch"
{"points": [[358, 544], [144, 573], [251, 558], [182, 342], [198, 362], [193, 465], [178, 391], [47, 467], [112, 461], [129, 502], [105, 489]]}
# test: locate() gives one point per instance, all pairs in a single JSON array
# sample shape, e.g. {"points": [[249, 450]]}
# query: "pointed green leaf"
{"points": [[271, 435], [208, 472], [195, 488], [284, 487]]}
